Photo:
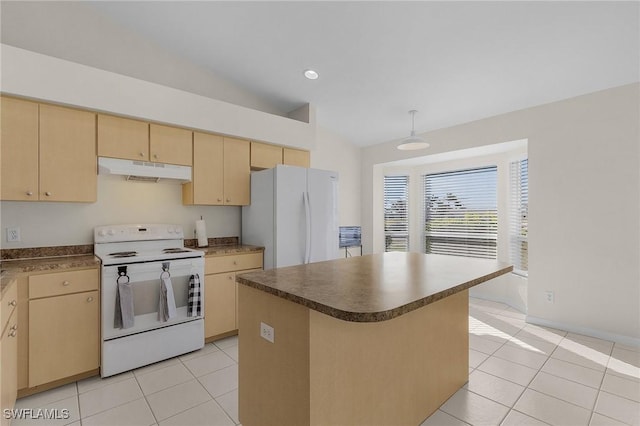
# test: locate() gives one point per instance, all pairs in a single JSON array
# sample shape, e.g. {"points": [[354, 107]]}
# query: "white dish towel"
{"points": [[167, 303]]}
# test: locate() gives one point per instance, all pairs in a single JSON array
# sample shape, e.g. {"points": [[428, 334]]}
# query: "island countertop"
{"points": [[375, 287]]}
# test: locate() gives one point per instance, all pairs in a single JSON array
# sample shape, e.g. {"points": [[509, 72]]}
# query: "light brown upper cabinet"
{"points": [[123, 138], [208, 171], [265, 156], [170, 145], [296, 157], [48, 152], [68, 169], [19, 142], [221, 171], [237, 172]]}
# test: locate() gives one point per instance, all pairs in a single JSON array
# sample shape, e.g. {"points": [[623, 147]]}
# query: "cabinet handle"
{"points": [[48, 194], [228, 200], [155, 156], [235, 262], [14, 327], [29, 193], [230, 277], [219, 199], [13, 333], [65, 283], [90, 299], [142, 154], [13, 303]]}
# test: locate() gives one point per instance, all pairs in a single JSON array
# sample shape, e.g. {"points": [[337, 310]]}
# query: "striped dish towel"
{"points": [[194, 307]]}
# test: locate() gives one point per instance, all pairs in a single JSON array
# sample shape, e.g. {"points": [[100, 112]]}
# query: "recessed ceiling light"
{"points": [[311, 74]]}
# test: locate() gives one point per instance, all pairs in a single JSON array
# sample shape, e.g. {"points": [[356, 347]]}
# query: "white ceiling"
{"points": [[452, 61]]}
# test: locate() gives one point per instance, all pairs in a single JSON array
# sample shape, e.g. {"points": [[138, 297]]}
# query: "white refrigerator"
{"points": [[293, 214]]}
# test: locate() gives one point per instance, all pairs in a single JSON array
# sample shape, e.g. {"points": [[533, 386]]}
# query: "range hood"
{"points": [[144, 170]]}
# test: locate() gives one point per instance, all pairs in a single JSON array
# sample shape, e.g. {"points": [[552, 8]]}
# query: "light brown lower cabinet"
{"points": [[220, 303], [64, 327], [220, 291], [64, 337], [8, 352]]}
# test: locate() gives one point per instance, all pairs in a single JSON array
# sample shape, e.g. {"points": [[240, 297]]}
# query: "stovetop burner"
{"points": [[142, 243], [175, 250], [124, 254]]}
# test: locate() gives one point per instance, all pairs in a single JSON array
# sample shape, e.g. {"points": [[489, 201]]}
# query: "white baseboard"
{"points": [[498, 300], [618, 338]]}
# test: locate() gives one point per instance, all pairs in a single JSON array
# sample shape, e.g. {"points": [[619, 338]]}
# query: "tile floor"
{"points": [[519, 374]]}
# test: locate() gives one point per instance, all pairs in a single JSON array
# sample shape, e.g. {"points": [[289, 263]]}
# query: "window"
{"points": [[461, 213], [519, 215], [396, 214]]}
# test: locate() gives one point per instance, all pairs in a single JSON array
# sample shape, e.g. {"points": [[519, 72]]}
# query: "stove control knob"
{"points": [[170, 230], [111, 232], [102, 233], [177, 230]]}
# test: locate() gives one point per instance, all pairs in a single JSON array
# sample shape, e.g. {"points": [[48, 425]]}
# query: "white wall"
{"points": [[52, 224], [335, 153], [584, 242], [46, 78]]}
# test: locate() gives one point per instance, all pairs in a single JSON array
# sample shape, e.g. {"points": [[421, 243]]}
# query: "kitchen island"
{"points": [[378, 339]]}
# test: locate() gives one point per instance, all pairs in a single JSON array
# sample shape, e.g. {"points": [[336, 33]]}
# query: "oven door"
{"points": [[145, 280]]}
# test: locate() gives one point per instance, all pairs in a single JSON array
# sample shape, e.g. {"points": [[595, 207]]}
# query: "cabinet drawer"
{"points": [[9, 303], [62, 283], [237, 262]]}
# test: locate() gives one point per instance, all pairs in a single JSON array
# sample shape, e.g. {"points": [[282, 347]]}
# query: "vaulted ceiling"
{"points": [[452, 61]]}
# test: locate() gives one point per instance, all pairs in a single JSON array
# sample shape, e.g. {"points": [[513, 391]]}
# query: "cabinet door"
{"points": [[64, 336], [19, 144], [219, 304], [170, 145], [123, 138], [265, 156], [208, 176], [68, 167], [237, 172], [9, 365], [296, 157]]}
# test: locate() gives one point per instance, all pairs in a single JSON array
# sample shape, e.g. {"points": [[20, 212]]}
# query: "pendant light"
{"points": [[412, 142]]}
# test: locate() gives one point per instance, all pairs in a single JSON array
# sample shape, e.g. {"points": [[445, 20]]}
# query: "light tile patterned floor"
{"points": [[520, 374]]}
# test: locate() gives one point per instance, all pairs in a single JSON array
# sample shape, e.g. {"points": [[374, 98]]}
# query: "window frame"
{"points": [[406, 225], [515, 215], [454, 237]]}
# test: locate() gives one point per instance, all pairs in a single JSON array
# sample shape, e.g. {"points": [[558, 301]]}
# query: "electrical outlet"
{"points": [[548, 296], [267, 332], [13, 234]]}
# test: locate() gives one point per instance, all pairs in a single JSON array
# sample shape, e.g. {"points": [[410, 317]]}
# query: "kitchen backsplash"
{"points": [[45, 224]]}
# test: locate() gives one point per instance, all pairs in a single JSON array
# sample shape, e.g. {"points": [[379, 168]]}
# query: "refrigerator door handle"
{"points": [[307, 212]]}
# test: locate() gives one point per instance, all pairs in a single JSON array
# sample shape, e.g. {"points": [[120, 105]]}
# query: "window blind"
{"points": [[519, 215], [461, 213], [396, 213]]}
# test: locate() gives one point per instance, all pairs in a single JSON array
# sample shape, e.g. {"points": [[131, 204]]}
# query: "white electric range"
{"points": [[139, 255]]}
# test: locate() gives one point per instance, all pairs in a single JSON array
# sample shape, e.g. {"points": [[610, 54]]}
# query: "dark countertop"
{"points": [[375, 287], [50, 263], [11, 268], [40, 259], [230, 249]]}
